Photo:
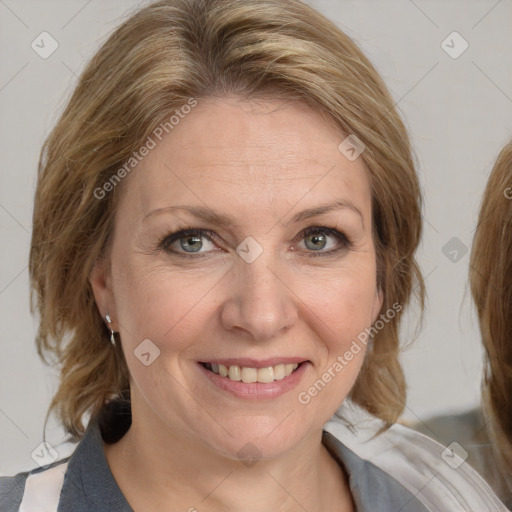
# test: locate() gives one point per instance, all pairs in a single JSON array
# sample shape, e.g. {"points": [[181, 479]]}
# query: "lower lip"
{"points": [[256, 390]]}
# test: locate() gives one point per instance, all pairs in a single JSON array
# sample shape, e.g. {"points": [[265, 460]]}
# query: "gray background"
{"points": [[459, 112]]}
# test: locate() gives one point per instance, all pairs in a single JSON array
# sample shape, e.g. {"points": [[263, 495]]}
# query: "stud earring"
{"points": [[109, 321]]}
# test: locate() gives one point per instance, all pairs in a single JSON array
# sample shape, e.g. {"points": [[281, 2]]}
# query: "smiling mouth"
{"points": [[250, 375]]}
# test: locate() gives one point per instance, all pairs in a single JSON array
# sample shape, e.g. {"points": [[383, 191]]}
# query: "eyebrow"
{"points": [[226, 221], [326, 208]]}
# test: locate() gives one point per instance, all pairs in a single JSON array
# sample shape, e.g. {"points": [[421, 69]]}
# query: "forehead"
{"points": [[249, 154]]}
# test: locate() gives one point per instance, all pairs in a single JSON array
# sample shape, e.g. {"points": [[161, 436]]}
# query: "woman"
{"points": [[490, 271], [485, 432], [224, 235]]}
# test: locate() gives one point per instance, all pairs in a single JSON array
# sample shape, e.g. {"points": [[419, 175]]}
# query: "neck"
{"points": [[158, 468]]}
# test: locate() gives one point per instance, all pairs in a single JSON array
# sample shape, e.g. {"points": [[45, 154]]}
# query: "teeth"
{"points": [[250, 375], [235, 373], [279, 371], [266, 375]]}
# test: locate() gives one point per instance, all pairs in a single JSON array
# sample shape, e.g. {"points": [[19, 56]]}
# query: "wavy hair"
{"points": [[490, 276], [151, 65]]}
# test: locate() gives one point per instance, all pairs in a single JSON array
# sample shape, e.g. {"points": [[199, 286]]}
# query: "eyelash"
{"points": [[188, 231]]}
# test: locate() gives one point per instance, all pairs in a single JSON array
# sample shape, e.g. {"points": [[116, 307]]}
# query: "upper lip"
{"points": [[254, 363]]}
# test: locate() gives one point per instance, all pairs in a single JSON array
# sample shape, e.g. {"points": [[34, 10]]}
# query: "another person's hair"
{"points": [[154, 63], [491, 286]]}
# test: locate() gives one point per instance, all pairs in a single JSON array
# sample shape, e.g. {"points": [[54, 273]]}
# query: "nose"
{"points": [[260, 304]]}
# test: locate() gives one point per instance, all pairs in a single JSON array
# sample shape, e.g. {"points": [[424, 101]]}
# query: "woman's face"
{"points": [[278, 270]]}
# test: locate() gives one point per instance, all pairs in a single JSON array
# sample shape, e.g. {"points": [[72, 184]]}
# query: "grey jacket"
{"points": [[398, 470]]}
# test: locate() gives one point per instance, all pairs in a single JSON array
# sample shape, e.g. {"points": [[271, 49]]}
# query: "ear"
{"points": [[378, 301], [101, 284]]}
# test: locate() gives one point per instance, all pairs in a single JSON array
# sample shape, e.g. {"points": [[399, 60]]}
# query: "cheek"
{"points": [[163, 304], [343, 302], [343, 310], [157, 303]]}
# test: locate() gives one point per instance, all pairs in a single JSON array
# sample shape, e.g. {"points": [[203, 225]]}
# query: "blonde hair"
{"points": [[162, 56], [491, 287]]}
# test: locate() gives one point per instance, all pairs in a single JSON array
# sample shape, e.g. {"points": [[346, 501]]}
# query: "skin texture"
{"points": [[259, 162]]}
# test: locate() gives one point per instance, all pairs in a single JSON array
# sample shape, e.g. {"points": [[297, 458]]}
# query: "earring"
{"points": [[109, 321]]}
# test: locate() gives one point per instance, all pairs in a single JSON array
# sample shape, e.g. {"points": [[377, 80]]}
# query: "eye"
{"points": [[193, 243], [324, 241], [190, 241]]}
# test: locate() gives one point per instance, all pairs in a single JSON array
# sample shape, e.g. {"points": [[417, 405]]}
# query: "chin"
{"points": [[254, 438]]}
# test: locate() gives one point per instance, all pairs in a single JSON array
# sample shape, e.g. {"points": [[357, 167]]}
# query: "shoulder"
{"points": [[79, 483], [470, 432], [438, 477], [38, 489]]}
